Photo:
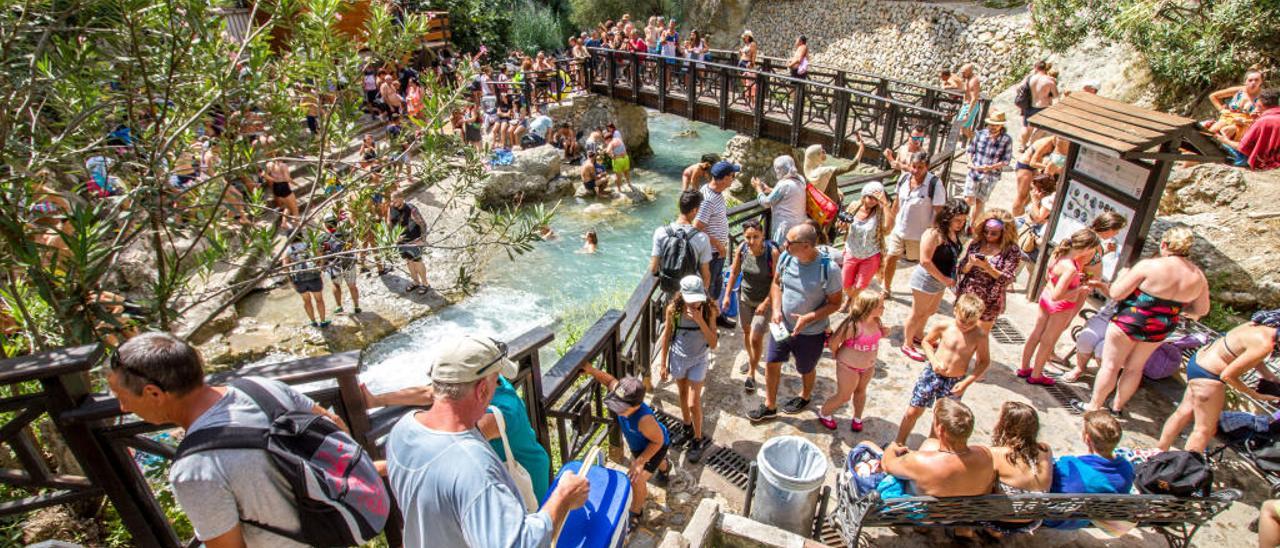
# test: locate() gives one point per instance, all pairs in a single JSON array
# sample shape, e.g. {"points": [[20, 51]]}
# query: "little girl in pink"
{"points": [[855, 343]]}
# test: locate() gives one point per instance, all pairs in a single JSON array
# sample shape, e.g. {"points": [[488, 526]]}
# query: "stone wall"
{"points": [[904, 40], [756, 158]]}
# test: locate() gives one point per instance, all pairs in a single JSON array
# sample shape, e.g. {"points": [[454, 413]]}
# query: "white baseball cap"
{"points": [[692, 290], [872, 188], [469, 358]]}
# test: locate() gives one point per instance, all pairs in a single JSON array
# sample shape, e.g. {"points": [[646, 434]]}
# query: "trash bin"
{"points": [[790, 471]]}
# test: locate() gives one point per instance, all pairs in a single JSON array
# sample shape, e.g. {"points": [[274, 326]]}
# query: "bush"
{"points": [[472, 22], [536, 27], [1192, 47]]}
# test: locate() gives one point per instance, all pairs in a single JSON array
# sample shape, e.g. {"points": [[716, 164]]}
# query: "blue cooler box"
{"points": [[602, 521]]}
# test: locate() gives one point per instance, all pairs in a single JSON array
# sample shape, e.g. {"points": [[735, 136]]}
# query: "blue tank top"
{"points": [[630, 427]]}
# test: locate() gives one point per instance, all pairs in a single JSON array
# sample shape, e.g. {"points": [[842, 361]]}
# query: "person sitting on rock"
{"points": [[595, 174], [1260, 146], [565, 139]]}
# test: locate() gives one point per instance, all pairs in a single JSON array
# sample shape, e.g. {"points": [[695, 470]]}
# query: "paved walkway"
{"points": [[727, 403]]}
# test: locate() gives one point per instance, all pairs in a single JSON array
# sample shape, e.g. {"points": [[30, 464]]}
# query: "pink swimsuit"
{"points": [[1051, 306], [863, 342]]}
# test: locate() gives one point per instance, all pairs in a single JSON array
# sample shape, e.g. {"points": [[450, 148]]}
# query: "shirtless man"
{"points": [[1044, 90], [945, 465], [949, 347], [968, 115], [698, 174], [391, 95], [276, 174]]}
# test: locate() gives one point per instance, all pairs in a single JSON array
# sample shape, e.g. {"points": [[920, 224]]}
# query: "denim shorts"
{"points": [[924, 282]]}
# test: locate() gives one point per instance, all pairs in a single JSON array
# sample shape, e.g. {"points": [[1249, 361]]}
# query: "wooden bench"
{"points": [[1177, 519]]}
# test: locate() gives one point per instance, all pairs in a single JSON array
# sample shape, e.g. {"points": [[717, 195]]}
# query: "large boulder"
{"points": [[756, 158], [590, 112], [534, 176], [1238, 253]]}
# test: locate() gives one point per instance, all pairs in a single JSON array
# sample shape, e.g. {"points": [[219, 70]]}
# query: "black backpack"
{"points": [[1177, 473], [341, 499], [301, 267], [1022, 96], [676, 258]]}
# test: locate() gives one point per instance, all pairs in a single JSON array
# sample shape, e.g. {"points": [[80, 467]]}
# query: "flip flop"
{"points": [[913, 354]]}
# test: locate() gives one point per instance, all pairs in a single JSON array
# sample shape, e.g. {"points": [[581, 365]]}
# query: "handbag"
{"points": [[819, 206], [523, 481], [1028, 241]]}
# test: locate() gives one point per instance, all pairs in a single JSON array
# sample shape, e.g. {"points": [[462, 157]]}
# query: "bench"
{"points": [[1177, 519]]}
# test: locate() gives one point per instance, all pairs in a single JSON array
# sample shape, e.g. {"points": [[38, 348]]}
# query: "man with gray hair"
{"points": [[233, 497], [804, 293], [452, 488]]}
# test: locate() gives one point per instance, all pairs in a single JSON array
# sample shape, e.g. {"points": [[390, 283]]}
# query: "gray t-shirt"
{"points": [[701, 244], [803, 290], [453, 491], [219, 488], [915, 209]]}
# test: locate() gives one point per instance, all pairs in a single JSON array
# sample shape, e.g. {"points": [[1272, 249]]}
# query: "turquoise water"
{"points": [[556, 284]]}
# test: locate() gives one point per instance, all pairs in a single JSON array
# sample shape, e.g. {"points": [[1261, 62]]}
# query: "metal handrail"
{"points": [[812, 66]]}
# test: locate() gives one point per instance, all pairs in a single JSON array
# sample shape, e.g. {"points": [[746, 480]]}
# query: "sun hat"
{"points": [[722, 168], [692, 290], [873, 188], [996, 118], [1096, 85], [469, 358], [627, 393]]}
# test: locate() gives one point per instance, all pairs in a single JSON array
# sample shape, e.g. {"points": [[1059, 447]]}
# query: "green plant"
{"points": [[1222, 317], [535, 27], [472, 23], [1192, 46]]}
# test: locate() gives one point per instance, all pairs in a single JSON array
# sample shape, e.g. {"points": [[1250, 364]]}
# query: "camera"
{"points": [[844, 217]]}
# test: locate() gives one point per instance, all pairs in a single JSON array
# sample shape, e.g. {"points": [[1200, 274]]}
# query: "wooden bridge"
{"points": [[828, 107]]}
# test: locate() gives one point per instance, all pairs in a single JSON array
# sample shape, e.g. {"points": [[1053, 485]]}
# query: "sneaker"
{"points": [[662, 477], [762, 413], [1041, 380], [324, 323], [314, 324], [913, 354], [337, 310], [1023, 373], [355, 310], [1078, 406], [749, 384], [828, 422], [795, 405], [696, 448], [682, 434], [855, 425]]}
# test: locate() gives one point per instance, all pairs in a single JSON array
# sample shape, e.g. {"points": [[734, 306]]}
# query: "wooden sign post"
{"points": [[1119, 160]]}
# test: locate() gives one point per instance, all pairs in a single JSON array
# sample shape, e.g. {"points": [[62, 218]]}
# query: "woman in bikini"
{"points": [[1107, 226], [1023, 463], [1151, 296], [855, 344], [1212, 369], [1240, 108], [1068, 286], [747, 60]]}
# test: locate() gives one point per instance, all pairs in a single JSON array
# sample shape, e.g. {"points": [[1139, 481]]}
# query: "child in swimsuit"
{"points": [[1068, 285], [854, 343]]}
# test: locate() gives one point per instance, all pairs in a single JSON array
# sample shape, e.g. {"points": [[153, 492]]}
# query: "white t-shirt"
{"points": [[915, 209], [539, 125]]}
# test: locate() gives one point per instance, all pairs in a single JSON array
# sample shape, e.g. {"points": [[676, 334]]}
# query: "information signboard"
{"points": [[1081, 204], [1122, 175]]}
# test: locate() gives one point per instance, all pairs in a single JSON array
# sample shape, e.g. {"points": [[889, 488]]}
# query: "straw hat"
{"points": [[746, 33], [996, 118]]}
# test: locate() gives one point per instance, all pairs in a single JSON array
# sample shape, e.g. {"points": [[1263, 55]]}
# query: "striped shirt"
{"points": [[715, 215]]}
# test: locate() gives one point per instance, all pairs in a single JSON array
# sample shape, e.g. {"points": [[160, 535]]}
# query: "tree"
{"points": [[141, 90]]}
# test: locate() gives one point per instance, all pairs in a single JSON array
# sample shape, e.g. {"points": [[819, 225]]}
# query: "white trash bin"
{"points": [[790, 473]]}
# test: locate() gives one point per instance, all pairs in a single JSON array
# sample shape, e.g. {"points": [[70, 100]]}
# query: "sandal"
{"points": [[913, 354], [1023, 373], [633, 520], [1071, 376], [1041, 380]]}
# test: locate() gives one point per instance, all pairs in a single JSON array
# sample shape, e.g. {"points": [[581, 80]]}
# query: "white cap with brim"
{"points": [[470, 358], [1096, 85], [692, 289]]}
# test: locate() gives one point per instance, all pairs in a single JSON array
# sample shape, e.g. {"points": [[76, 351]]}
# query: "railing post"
{"points": [[724, 97], [662, 85], [644, 339], [757, 111], [841, 114], [613, 74], [613, 364], [635, 77], [691, 87], [797, 114], [890, 129]]}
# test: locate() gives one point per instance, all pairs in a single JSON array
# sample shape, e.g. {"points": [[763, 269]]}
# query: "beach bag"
{"points": [[1177, 473], [1022, 96], [731, 311], [863, 467], [1028, 240], [676, 258], [1167, 358], [1244, 430], [521, 477], [341, 499], [602, 521], [819, 206]]}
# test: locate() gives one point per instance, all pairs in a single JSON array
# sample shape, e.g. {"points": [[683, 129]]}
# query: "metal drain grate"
{"points": [[674, 426], [730, 464], [1063, 393], [1005, 333], [830, 534]]}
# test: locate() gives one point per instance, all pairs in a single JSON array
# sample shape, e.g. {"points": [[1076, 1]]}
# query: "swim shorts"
{"points": [[931, 386]]}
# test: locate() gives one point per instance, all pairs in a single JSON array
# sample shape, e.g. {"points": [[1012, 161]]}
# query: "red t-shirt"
{"points": [[639, 46], [1261, 143]]}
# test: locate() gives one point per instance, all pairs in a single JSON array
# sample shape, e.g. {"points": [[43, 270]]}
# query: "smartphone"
{"points": [[779, 332]]}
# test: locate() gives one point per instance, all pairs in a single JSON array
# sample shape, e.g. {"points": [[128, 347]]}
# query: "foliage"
{"points": [[1223, 317], [472, 23], [586, 14], [78, 73], [1192, 46], [536, 27]]}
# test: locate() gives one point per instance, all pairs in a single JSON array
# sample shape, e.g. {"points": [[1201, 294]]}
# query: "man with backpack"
{"points": [[805, 292], [340, 263], [713, 219], [237, 468], [307, 281], [919, 195], [680, 249]]}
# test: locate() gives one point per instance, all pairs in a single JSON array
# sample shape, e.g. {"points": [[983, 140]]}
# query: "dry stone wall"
{"points": [[904, 40]]}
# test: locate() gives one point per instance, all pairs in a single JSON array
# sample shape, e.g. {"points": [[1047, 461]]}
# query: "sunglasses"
{"points": [[502, 354], [798, 242], [117, 366], [917, 139]]}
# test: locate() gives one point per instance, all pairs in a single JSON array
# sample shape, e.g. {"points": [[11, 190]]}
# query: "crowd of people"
{"points": [[799, 293]]}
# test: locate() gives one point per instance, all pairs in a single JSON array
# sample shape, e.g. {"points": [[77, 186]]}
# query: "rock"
{"points": [[534, 176], [591, 112], [599, 210], [756, 158], [638, 194], [1205, 187], [222, 323]]}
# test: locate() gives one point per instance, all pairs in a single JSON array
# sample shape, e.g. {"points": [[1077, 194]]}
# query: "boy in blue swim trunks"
{"points": [[645, 436], [949, 348]]}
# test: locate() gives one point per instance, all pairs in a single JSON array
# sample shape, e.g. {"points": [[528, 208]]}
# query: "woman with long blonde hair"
{"points": [[855, 343]]}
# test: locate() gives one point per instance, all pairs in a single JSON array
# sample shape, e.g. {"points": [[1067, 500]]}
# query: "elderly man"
{"points": [[806, 291], [989, 153], [452, 488]]}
